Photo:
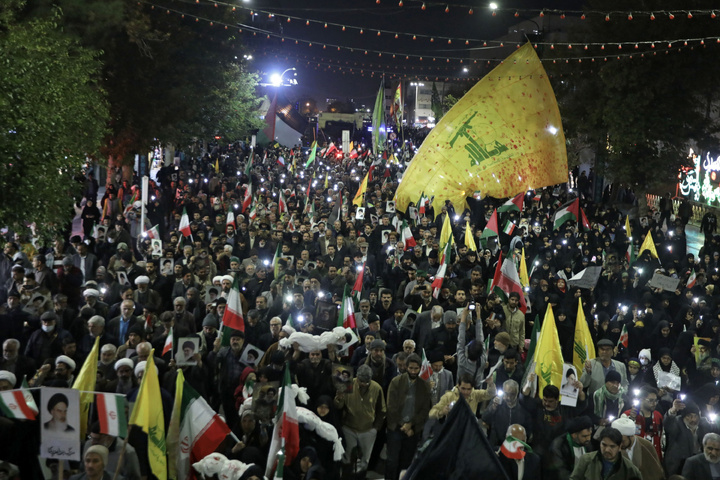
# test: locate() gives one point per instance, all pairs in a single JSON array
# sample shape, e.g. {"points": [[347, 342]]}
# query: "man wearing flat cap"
{"points": [[593, 377]]}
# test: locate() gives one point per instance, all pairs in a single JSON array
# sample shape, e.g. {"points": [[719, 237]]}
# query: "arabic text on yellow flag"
{"points": [[548, 356], [583, 347], [469, 239], [503, 137], [358, 200], [85, 382], [446, 235], [649, 245], [523, 271], [148, 415]]}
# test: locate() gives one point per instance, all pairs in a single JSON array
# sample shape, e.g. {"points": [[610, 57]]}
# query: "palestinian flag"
{"points": [[425, 368], [195, 430], [623, 340], [514, 448], [441, 271], [346, 319], [168, 342], [407, 236], [286, 433], [515, 204], [247, 199], [509, 228], [491, 229], [111, 414], [185, 224], [18, 404], [570, 212], [233, 316], [508, 280]]}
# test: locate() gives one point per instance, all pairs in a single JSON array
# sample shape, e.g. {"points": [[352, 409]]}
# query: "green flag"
{"points": [[313, 152], [378, 122]]}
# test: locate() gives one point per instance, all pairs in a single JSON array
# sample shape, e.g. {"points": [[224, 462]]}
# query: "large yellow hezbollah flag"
{"points": [[503, 137], [548, 356]]}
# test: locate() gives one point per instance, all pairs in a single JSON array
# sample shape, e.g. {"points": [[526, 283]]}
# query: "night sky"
{"points": [[320, 82]]}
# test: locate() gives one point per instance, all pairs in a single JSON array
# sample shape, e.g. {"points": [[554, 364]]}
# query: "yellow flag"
{"points": [[583, 346], [148, 415], [358, 200], [548, 356], [523, 273], [628, 232], [469, 239], [327, 175], [649, 245], [503, 137], [85, 382], [173, 433], [446, 235], [217, 166]]}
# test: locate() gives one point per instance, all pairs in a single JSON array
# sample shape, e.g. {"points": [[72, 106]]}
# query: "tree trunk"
{"points": [[110, 174], [127, 172], [641, 195]]}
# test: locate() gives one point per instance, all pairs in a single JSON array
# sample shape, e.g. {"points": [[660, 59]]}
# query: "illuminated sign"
{"points": [[701, 181]]}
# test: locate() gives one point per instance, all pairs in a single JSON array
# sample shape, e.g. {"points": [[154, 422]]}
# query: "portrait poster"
{"points": [[166, 266], [342, 377], [122, 279], [360, 213], [326, 314], [251, 355], [156, 248], [568, 392], [390, 207], [60, 419], [187, 347]]}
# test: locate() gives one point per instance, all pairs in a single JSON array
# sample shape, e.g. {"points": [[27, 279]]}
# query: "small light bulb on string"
{"points": [[671, 16], [307, 22], [326, 25], [447, 8], [470, 12], [690, 15], [343, 28], [583, 17], [432, 39], [361, 31], [400, 4], [619, 46], [630, 17], [517, 14], [467, 42], [652, 45], [602, 47], [378, 34], [414, 37], [562, 16], [542, 14], [636, 46], [569, 47], [607, 18], [652, 16], [288, 20], [423, 7], [712, 15], [586, 47], [396, 35], [484, 44]]}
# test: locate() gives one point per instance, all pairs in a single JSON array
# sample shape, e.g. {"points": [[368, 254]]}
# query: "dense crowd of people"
{"points": [[293, 237]]}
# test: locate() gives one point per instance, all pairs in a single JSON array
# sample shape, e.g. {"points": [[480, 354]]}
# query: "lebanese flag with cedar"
{"points": [[185, 224], [425, 368], [233, 316], [508, 280], [286, 427]]}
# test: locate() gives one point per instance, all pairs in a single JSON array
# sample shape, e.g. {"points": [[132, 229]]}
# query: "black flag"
{"points": [[460, 451]]}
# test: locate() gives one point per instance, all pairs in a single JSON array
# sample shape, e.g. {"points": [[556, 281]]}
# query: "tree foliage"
{"points": [[52, 114], [639, 114]]}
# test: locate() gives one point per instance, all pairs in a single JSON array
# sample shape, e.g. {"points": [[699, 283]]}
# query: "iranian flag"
{"points": [[491, 228], [422, 203], [154, 232], [111, 414], [195, 430], [330, 150], [623, 340], [513, 448], [509, 228], [168, 343], [630, 254], [252, 215], [425, 368], [515, 204], [281, 161], [508, 280], [692, 279], [276, 258], [570, 212], [441, 271], [359, 281], [185, 224], [291, 225], [407, 236], [282, 203], [18, 404], [233, 316], [286, 433], [347, 313], [247, 199], [230, 219]]}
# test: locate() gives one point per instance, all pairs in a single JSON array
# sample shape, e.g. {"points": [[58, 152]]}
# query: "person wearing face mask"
{"points": [[46, 342], [12, 361]]}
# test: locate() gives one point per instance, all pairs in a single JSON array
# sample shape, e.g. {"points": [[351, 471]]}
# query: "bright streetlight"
{"points": [[276, 79], [493, 6]]}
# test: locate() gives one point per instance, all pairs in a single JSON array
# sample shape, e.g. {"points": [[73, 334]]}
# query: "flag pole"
{"points": [[122, 453], [61, 467]]}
